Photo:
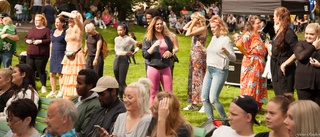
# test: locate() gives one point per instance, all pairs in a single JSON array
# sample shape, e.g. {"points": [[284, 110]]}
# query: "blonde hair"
{"points": [[314, 26], [306, 116], [223, 26], [175, 118], [200, 17], [151, 30], [142, 95], [43, 19], [7, 21], [89, 27]]}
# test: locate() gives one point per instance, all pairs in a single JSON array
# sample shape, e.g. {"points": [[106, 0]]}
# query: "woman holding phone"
{"points": [[307, 71]]}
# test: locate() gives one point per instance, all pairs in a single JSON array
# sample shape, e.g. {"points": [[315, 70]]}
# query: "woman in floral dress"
{"points": [[251, 81], [198, 30]]}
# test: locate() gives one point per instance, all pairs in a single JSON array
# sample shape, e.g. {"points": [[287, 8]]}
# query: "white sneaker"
{"points": [[20, 24], [201, 110], [60, 95], [100, 27], [31, 21], [51, 94], [191, 107], [16, 24], [43, 89]]}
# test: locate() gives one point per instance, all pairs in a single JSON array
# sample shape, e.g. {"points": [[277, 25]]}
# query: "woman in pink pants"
{"points": [[157, 50]]}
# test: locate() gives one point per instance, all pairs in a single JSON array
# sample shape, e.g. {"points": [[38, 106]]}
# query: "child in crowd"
{"points": [[133, 50], [172, 20], [179, 26], [8, 28], [98, 21], [25, 11], [18, 7]]}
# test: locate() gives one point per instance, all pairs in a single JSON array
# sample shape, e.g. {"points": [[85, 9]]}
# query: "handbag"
{"points": [[71, 55], [175, 58]]}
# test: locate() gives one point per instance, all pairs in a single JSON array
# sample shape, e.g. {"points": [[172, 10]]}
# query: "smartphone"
{"points": [[311, 59]]}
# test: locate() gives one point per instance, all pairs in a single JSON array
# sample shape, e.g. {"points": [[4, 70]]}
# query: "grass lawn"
{"points": [[180, 78]]}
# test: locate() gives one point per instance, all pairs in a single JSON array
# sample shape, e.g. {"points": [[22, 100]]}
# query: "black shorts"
{"points": [[36, 9]]}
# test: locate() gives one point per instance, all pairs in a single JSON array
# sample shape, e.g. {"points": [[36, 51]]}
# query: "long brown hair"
{"points": [[284, 101], [151, 30], [175, 118], [284, 18]]}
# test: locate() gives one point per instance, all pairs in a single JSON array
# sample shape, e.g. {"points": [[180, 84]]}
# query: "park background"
{"points": [[180, 78]]}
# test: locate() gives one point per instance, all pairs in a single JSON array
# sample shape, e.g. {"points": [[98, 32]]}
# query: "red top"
{"points": [[38, 34]]}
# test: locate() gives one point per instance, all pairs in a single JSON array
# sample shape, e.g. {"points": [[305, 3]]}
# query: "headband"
{"points": [[216, 21]]}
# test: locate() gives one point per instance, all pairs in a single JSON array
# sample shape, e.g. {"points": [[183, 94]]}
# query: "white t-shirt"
{"points": [[225, 131], [18, 8], [37, 3]]}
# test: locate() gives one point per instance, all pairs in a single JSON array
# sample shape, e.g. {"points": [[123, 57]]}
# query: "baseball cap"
{"points": [[248, 104], [105, 83], [3, 14]]}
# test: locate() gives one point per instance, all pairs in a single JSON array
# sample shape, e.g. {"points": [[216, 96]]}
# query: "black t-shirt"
{"points": [[92, 43], [269, 29]]}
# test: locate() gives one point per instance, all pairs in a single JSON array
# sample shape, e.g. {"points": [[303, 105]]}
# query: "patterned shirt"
{"points": [[70, 133]]}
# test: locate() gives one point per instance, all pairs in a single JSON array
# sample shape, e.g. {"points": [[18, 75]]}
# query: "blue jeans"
{"points": [[6, 59], [212, 85], [312, 17]]}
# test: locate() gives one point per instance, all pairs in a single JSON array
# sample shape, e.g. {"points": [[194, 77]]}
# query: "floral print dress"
{"points": [[251, 81]]}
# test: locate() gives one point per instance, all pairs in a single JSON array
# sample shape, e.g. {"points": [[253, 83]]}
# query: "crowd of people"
{"points": [[105, 106]]}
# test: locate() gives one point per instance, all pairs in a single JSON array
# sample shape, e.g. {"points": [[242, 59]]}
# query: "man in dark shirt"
{"points": [[49, 13], [107, 88]]}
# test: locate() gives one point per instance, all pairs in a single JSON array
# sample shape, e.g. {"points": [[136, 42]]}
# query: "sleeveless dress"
{"points": [[197, 69], [57, 51]]}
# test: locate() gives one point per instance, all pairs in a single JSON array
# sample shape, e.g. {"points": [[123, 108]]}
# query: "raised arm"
{"points": [[193, 30], [74, 15]]}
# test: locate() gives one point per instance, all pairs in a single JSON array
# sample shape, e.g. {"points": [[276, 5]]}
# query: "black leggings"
{"points": [[308, 94], [120, 70], [39, 63]]}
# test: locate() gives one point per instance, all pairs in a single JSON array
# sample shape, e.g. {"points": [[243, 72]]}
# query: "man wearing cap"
{"points": [[243, 110], [7, 44], [107, 88], [87, 101]]}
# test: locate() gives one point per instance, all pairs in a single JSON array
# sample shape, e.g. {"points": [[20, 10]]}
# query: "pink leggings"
{"points": [[157, 75]]}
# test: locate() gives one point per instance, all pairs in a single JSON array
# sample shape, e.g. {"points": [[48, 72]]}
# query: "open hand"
{"points": [[163, 111], [167, 54]]}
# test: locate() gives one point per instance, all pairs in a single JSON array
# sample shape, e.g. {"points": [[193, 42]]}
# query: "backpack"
{"points": [[104, 49]]}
